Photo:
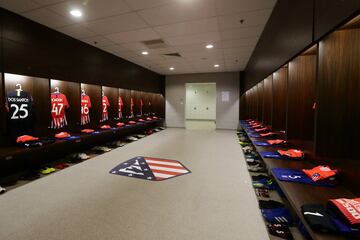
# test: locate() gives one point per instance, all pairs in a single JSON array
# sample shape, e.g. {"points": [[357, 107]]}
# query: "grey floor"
{"points": [[215, 201]]}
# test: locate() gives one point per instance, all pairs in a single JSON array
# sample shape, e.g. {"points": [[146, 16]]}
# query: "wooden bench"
{"points": [[299, 194]]}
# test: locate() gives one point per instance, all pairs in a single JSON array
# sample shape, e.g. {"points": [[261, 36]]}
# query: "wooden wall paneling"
{"points": [[260, 111], [162, 105], [113, 95], [136, 96], [146, 99], [32, 49], [268, 100], [72, 92], [251, 103], [38, 88], [243, 106], [2, 111], [338, 95], [153, 103], [301, 98], [126, 96], [279, 99], [94, 92], [256, 102]]}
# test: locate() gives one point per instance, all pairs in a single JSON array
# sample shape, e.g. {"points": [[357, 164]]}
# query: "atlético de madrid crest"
{"points": [[153, 169]]}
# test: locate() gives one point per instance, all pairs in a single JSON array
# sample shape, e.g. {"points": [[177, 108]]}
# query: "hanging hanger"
{"points": [[18, 87], [57, 90], [83, 92]]}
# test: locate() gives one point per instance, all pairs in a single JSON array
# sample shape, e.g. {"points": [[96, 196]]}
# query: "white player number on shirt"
{"points": [[18, 110], [84, 109], [57, 108]]}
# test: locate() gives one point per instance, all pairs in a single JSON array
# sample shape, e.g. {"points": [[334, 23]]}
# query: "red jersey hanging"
{"points": [[59, 103], [105, 106], [85, 109], [121, 104], [132, 107]]}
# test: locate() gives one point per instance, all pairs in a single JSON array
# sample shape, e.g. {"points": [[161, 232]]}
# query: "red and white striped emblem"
{"points": [[148, 168], [164, 168]]}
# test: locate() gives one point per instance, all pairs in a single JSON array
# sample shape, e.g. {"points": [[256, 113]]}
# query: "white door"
{"points": [[200, 107]]}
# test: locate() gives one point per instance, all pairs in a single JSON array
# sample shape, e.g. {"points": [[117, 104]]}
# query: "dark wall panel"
{"points": [[338, 95], [279, 99], [330, 13], [260, 95], [301, 98], [268, 100], [32, 49], [289, 30]]}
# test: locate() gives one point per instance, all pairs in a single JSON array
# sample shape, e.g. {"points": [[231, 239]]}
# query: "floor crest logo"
{"points": [[153, 169]]}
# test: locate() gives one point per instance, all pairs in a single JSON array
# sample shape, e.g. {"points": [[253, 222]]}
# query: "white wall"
{"points": [[227, 113]]}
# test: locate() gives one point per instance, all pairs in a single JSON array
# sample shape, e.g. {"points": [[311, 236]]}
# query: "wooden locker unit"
{"points": [[260, 95], [301, 97], [125, 95], [280, 78], [39, 90], [338, 110], [136, 96], [113, 96], [145, 98], [268, 101], [94, 92], [2, 111], [72, 92]]}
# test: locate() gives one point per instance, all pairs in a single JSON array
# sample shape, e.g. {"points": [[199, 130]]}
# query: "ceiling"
{"points": [[186, 27]]}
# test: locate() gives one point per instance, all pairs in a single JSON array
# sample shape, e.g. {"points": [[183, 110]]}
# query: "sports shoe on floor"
{"points": [[253, 163], [62, 165], [101, 149], [280, 230], [131, 138], [30, 176], [265, 184], [47, 170], [80, 156], [2, 190], [140, 135], [262, 192], [260, 176], [256, 168], [157, 130]]}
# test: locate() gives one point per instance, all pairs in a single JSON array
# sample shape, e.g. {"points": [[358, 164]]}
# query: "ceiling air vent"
{"points": [[155, 44], [172, 54]]}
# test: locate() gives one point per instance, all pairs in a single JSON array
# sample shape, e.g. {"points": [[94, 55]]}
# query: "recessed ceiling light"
{"points": [[76, 13], [144, 53], [209, 46], [216, 65], [171, 68]]}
